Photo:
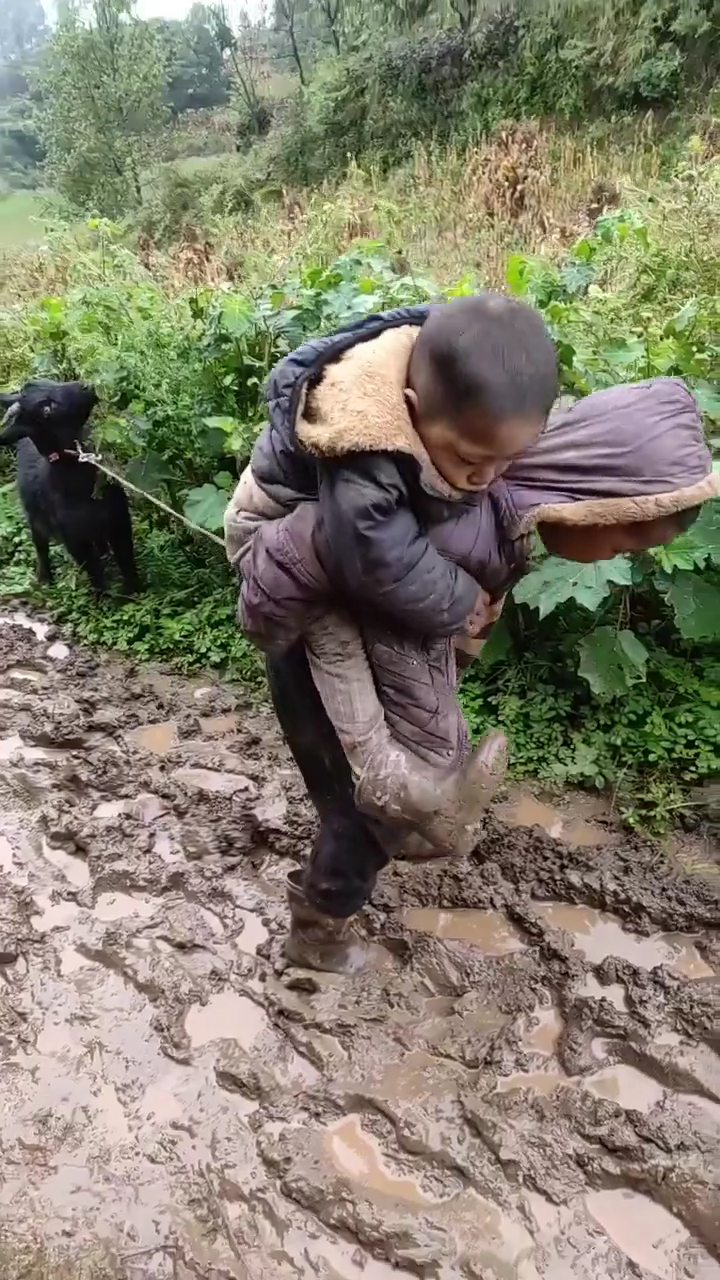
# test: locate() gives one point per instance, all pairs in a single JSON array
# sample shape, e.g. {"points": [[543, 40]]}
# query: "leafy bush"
{"points": [[181, 197], [558, 58], [21, 154], [603, 674]]}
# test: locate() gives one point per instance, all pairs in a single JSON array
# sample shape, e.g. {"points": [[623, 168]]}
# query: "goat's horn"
{"points": [[11, 427], [11, 414]]}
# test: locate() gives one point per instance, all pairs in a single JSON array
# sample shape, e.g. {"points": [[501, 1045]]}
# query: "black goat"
{"points": [[47, 420]]}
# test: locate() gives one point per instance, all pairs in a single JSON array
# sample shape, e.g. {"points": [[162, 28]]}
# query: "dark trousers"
{"points": [[347, 854]]}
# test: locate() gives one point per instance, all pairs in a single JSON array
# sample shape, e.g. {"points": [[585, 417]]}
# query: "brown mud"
{"points": [[525, 1085]]}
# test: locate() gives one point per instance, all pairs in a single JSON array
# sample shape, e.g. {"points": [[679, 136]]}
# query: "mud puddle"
{"points": [[527, 1087]]}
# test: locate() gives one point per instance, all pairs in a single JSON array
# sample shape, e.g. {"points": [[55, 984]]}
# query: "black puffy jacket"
{"points": [[339, 435]]}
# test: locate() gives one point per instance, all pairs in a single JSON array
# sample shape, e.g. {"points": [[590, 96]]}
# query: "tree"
{"points": [[404, 15], [332, 14], [248, 62], [286, 16], [466, 12], [101, 90], [23, 28], [196, 73]]}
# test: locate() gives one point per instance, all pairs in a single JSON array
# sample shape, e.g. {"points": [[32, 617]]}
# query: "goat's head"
{"points": [[52, 414]]}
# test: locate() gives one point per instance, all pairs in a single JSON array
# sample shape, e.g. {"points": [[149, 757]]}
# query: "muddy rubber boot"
{"points": [[445, 809], [317, 941], [482, 774]]}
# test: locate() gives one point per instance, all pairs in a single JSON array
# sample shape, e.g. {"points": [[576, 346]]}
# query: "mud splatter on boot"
{"points": [[318, 941], [445, 809]]}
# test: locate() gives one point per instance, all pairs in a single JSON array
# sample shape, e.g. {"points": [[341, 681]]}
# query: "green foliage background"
{"points": [[602, 675], [245, 154]]}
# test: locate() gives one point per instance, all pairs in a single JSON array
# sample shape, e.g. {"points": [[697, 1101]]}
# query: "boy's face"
{"points": [[587, 543], [470, 450]]}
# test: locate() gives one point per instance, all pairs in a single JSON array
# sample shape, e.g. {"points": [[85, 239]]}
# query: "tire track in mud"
{"points": [[525, 1083]]}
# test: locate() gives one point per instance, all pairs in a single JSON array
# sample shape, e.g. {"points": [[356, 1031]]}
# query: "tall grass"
{"points": [[455, 211]]}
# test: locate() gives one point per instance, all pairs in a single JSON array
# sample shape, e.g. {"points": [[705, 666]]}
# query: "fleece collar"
{"points": [[614, 511], [360, 407]]}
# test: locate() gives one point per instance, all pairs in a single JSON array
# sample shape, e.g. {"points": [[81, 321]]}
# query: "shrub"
{"points": [[180, 197], [560, 58]]}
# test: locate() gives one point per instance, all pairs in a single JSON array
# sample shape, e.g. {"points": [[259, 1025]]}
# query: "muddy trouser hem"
{"points": [[347, 853]]}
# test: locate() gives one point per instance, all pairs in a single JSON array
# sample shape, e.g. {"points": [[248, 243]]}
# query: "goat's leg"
{"points": [[42, 548], [120, 537], [85, 553]]}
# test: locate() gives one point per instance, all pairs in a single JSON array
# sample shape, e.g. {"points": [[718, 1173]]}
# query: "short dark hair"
{"points": [[488, 351]]}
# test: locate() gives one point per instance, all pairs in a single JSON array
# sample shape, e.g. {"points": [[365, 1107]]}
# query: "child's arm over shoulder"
{"points": [[377, 554]]}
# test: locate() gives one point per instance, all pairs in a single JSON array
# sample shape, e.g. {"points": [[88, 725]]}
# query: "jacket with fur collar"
{"points": [[394, 539], [366, 520]]}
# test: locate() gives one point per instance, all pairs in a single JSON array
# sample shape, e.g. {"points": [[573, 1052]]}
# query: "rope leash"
{"points": [[95, 459]]}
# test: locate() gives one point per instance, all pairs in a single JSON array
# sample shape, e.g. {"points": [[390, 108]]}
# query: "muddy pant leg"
{"points": [[417, 679], [343, 677], [347, 855]]}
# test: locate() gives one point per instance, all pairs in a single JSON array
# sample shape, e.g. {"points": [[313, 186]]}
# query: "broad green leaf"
{"points": [[112, 430], [615, 227], [237, 314], [149, 472], [583, 249], [682, 318], [206, 506], [517, 274], [556, 581], [696, 605], [224, 480], [708, 398], [626, 354], [680, 554], [222, 422], [697, 547], [497, 646], [612, 661]]}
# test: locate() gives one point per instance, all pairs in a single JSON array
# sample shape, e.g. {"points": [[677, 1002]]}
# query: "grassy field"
{"points": [[18, 219]]}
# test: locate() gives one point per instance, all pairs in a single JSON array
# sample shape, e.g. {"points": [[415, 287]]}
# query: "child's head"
{"points": [[621, 471], [481, 382]]}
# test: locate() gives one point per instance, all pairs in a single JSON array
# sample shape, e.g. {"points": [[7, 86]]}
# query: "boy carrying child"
{"points": [[383, 518]]}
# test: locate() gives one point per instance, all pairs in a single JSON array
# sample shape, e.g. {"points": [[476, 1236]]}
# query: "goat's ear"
{"points": [[12, 424]]}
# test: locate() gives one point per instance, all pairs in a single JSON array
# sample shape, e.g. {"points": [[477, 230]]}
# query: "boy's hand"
{"points": [[483, 615], [477, 620]]}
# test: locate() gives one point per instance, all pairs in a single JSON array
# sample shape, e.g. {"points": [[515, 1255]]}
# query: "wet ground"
{"points": [[526, 1083]]}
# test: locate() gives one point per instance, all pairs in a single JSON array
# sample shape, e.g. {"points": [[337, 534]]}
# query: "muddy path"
{"points": [[525, 1084]]}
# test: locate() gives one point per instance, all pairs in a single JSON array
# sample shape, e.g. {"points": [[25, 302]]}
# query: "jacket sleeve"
{"points": [[376, 553], [282, 585]]}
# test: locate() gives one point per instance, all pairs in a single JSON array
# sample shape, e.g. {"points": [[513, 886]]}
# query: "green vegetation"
{"points": [[618, 679], [450, 80], [20, 218], [229, 188]]}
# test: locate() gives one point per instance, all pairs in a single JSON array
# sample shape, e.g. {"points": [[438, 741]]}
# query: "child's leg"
{"points": [[417, 680], [405, 740], [343, 678], [435, 778]]}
